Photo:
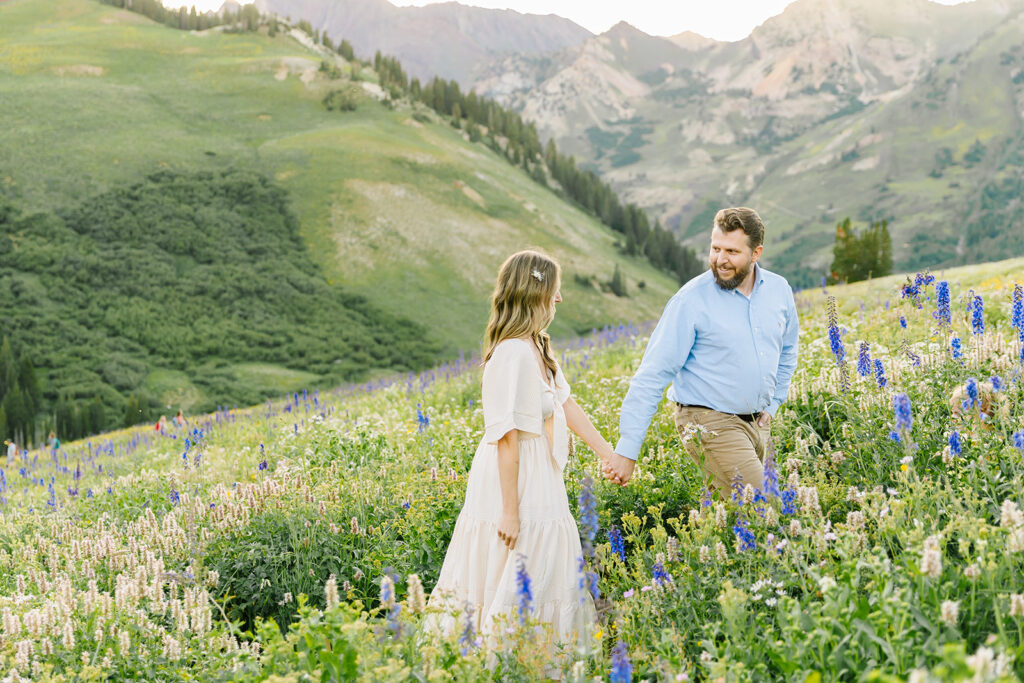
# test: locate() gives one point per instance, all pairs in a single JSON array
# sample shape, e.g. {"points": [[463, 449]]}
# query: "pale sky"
{"points": [[718, 19]]}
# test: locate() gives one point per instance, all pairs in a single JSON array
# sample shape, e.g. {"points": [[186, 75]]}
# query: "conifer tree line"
{"points": [[861, 256], [506, 132], [20, 397], [247, 18]]}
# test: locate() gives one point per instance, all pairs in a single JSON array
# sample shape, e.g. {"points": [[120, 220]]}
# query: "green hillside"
{"points": [[403, 211]]}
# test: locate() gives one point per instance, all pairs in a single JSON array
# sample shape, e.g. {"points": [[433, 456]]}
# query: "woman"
{"points": [[516, 512]]}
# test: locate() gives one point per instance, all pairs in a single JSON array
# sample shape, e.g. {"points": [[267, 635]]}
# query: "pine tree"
{"points": [[618, 283], [7, 367]]}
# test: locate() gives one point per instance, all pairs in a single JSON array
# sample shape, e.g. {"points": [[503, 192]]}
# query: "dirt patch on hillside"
{"points": [[79, 70], [473, 195]]}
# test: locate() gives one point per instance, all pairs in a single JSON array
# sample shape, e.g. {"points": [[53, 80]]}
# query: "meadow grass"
{"points": [[252, 543]]}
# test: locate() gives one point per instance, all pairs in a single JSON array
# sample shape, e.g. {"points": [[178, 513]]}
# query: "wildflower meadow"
{"points": [[297, 540]]}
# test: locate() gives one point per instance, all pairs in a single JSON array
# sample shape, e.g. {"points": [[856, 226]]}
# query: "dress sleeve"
{"points": [[562, 390], [511, 392]]}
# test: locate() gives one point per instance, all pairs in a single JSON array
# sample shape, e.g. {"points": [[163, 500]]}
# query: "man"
{"points": [[727, 343]]}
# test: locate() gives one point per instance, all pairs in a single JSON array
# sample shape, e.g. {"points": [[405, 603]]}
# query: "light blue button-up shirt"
{"points": [[719, 349]]}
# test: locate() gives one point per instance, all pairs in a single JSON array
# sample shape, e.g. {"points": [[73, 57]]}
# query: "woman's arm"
{"points": [[579, 423], [508, 476]]}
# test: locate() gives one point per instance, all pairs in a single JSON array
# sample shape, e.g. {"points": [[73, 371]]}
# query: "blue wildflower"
{"points": [[894, 436], [880, 374], [588, 516], [978, 316], [955, 444], [902, 412], [1018, 441], [972, 399], [864, 360], [771, 478], [422, 421], [997, 382], [942, 310], [955, 348], [467, 640], [705, 500], [622, 668], [660, 576], [834, 338], [175, 497], [1017, 309], [523, 592], [618, 546], [788, 498], [588, 581], [744, 535], [903, 322]]}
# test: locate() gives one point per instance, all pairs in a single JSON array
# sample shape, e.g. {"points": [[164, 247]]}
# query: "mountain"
{"points": [[445, 39], [141, 162], [833, 108]]}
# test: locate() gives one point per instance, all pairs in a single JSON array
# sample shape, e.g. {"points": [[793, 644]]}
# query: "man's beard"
{"points": [[736, 280]]}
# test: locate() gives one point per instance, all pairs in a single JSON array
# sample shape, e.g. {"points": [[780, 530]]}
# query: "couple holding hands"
{"points": [[727, 345]]}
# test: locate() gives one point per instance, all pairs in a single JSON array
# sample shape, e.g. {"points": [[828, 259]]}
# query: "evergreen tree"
{"points": [[618, 283], [4, 434], [858, 257]]}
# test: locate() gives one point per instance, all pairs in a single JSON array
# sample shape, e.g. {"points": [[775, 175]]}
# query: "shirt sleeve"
{"points": [[787, 358], [667, 350], [562, 389], [511, 392]]}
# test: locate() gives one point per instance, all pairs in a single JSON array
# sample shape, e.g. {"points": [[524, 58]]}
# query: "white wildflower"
{"points": [[950, 612]]}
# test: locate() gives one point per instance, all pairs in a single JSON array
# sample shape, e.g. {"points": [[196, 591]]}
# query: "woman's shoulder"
{"points": [[512, 348]]}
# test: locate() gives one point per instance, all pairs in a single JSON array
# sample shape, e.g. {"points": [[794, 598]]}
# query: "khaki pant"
{"points": [[735, 453]]}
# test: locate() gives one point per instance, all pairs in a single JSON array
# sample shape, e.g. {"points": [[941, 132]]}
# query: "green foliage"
{"points": [[617, 283], [343, 99], [861, 257], [178, 271]]}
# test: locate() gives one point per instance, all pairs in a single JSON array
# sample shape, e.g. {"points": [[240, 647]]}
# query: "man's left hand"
{"points": [[764, 420]]}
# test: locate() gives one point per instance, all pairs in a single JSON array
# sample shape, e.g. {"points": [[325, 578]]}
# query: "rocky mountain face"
{"points": [[447, 39], [829, 97]]}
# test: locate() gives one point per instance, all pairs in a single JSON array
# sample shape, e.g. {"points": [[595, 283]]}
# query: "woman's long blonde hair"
{"points": [[522, 303]]}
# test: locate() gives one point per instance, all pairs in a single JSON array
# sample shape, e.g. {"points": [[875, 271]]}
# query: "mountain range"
{"points": [[446, 39], [904, 110]]}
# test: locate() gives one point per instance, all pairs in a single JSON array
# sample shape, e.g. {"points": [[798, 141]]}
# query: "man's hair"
{"points": [[742, 218]]}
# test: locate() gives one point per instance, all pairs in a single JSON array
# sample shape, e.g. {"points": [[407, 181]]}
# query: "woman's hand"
{"points": [[508, 530]]}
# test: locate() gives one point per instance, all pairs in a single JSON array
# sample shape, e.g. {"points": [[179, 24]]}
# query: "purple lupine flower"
{"points": [[788, 498], [1018, 441], [618, 545], [744, 535], [978, 315], [955, 444], [972, 399], [771, 479], [955, 349], [834, 338], [903, 413], [467, 640], [942, 310], [864, 360], [622, 668], [903, 322], [660, 576], [880, 374], [523, 591], [997, 382], [588, 516]]}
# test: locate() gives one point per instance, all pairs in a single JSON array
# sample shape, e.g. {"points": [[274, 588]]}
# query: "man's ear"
{"points": [[757, 253]]}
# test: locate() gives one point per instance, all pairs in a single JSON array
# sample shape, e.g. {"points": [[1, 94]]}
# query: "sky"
{"points": [[718, 19]]}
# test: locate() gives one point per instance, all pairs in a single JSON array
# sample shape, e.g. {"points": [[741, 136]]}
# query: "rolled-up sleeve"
{"points": [[511, 392], [787, 357], [667, 350]]}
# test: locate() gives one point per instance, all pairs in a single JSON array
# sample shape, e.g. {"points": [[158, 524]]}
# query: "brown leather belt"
{"points": [[748, 417]]}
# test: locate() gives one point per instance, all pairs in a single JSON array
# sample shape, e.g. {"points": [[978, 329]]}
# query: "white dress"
{"points": [[478, 569]]}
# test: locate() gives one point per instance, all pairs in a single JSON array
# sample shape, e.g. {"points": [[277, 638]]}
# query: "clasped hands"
{"points": [[616, 468]]}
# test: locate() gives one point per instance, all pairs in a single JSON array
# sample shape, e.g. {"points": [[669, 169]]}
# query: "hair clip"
{"points": [[539, 276]]}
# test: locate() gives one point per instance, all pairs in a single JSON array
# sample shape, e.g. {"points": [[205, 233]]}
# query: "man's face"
{"points": [[731, 258]]}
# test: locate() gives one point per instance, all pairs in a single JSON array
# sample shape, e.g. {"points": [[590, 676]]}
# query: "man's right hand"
{"points": [[618, 469]]}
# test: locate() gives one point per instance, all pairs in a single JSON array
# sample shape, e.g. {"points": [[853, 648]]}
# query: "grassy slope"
{"points": [[93, 97]]}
